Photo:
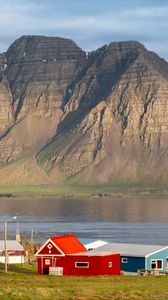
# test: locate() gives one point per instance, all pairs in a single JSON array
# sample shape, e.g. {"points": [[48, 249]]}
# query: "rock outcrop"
{"points": [[97, 117], [35, 73]]}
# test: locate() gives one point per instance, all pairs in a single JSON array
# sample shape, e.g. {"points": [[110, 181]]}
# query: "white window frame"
{"points": [[110, 264], [124, 260], [47, 262], [82, 262], [155, 261]]}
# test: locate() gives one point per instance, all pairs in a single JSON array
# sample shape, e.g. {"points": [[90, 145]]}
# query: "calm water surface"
{"points": [[135, 220]]}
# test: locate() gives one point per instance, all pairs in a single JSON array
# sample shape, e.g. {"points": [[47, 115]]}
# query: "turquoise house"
{"points": [[135, 257]]}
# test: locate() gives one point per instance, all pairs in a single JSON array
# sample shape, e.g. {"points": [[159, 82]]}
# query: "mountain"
{"points": [[88, 117]]}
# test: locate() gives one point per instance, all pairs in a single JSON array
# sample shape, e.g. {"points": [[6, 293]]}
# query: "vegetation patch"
{"points": [[74, 190], [26, 286]]}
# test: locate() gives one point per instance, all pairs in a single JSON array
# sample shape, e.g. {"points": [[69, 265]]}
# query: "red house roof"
{"points": [[61, 245], [68, 244]]}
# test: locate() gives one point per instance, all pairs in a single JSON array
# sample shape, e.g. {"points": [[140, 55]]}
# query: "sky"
{"points": [[90, 23]]}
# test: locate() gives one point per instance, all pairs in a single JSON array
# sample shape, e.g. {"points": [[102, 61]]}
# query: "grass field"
{"points": [[33, 287], [83, 190]]}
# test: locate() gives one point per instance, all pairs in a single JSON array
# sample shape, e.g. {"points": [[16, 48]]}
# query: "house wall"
{"points": [[163, 254], [133, 264], [50, 248], [43, 267], [98, 265], [13, 259]]}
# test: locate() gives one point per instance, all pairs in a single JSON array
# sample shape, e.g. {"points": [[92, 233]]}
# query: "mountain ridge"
{"points": [[89, 117]]}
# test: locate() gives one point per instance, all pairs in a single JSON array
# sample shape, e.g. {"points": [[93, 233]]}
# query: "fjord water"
{"points": [[135, 219]]}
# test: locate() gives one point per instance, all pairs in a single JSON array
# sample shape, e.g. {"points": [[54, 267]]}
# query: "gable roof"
{"points": [[49, 248], [95, 244], [11, 245], [135, 250], [65, 244], [68, 244]]}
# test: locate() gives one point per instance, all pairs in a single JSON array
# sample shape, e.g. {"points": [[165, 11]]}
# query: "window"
{"points": [[159, 264], [47, 261], [81, 264], [110, 264], [153, 264], [156, 264], [124, 260]]}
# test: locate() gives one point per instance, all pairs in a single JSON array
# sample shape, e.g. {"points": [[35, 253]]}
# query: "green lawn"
{"points": [[24, 287], [84, 190]]}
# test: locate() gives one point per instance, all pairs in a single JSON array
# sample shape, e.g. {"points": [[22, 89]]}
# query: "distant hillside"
{"points": [[85, 117]]}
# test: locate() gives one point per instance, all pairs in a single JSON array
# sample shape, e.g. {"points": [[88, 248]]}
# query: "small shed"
{"points": [[15, 252], [67, 254], [134, 256]]}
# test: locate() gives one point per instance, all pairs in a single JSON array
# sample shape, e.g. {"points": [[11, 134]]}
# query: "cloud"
{"points": [[89, 23], [154, 12]]}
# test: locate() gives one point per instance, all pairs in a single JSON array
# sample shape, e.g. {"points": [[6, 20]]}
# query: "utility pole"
{"points": [[32, 236], [5, 243], [5, 246]]}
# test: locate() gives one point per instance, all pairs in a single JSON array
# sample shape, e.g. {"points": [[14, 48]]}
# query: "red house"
{"points": [[67, 254]]}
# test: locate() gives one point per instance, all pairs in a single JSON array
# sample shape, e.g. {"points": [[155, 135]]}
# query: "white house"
{"points": [[15, 252]]}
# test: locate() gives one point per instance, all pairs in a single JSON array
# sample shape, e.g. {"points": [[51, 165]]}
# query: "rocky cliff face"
{"points": [[35, 73], [99, 116]]}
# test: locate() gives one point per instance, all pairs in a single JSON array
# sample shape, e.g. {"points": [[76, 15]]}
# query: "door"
{"points": [[54, 260], [167, 265], [45, 271]]}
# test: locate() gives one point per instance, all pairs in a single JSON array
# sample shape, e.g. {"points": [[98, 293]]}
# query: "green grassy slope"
{"points": [[36, 287], [74, 190]]}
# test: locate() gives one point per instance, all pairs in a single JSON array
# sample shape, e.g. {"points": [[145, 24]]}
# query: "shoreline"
{"points": [[83, 191]]}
